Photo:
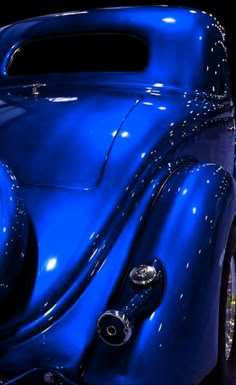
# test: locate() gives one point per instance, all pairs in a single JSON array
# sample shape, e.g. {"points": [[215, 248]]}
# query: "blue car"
{"points": [[117, 199]]}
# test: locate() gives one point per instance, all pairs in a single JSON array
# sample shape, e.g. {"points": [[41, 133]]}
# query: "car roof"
{"points": [[180, 38]]}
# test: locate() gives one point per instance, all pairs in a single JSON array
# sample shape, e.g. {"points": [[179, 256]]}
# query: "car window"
{"points": [[84, 52]]}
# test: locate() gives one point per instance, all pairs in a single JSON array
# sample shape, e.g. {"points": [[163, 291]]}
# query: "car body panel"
{"points": [[192, 267], [170, 33], [116, 170], [72, 121]]}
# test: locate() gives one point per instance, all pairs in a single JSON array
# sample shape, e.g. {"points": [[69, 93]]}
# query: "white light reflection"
{"points": [[113, 134], [194, 210], [162, 108], [152, 316], [124, 134], [169, 20], [143, 155], [50, 310], [148, 103], [71, 13], [158, 85], [93, 253], [185, 191], [222, 257], [160, 327], [51, 264], [62, 99]]}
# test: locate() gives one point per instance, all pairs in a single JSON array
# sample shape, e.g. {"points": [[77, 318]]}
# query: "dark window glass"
{"points": [[87, 52]]}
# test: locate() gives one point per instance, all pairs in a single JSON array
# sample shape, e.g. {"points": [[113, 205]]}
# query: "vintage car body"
{"points": [[117, 203]]}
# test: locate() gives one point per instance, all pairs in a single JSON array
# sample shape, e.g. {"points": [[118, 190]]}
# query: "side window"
{"points": [[83, 52]]}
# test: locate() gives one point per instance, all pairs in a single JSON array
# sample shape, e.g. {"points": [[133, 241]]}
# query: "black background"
{"points": [[220, 8]]}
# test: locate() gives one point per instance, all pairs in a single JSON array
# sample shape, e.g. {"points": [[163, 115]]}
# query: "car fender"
{"points": [[15, 244], [186, 228]]}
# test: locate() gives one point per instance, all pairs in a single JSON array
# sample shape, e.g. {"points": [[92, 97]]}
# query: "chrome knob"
{"points": [[114, 328], [143, 275]]}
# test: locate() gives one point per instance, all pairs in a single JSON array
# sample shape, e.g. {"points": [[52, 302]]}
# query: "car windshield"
{"points": [[83, 52]]}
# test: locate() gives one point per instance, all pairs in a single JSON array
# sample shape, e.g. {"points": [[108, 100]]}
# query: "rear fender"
{"points": [[186, 227]]}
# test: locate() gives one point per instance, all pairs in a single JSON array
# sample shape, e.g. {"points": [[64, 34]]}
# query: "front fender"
{"points": [[186, 227]]}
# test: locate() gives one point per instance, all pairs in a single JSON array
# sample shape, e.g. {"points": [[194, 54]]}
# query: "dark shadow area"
{"points": [[117, 52]]}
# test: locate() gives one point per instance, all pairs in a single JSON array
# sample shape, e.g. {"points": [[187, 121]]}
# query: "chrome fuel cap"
{"points": [[143, 275]]}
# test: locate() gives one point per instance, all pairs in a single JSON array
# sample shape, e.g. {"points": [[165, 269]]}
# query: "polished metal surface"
{"points": [[143, 275], [114, 328]]}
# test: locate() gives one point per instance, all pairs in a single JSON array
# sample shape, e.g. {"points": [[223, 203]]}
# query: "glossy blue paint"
{"points": [[116, 170], [192, 264], [14, 234]]}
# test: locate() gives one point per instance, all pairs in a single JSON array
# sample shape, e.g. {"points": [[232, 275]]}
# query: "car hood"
{"points": [[51, 137]]}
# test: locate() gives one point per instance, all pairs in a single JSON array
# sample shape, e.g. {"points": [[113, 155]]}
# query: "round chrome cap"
{"points": [[114, 328], [143, 275]]}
